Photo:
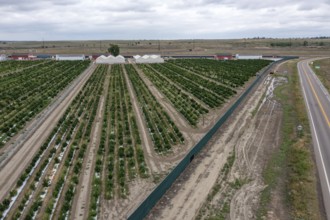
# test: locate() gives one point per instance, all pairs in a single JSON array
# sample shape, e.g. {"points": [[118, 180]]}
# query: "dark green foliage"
{"points": [[114, 50]]}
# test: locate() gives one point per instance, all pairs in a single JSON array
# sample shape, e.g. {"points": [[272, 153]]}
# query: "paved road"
{"points": [[318, 105]]}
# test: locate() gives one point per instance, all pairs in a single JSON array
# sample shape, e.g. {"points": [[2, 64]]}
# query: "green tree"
{"points": [[114, 49], [305, 43]]}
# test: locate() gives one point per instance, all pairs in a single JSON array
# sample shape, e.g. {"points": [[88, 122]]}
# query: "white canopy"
{"points": [[3, 57], [148, 59], [110, 59]]}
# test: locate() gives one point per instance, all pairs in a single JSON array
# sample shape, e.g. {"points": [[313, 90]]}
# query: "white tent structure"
{"points": [[110, 59], [248, 57], [70, 57], [148, 59], [3, 57]]}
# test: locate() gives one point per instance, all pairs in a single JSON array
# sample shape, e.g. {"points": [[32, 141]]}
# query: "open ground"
{"points": [[176, 47]]}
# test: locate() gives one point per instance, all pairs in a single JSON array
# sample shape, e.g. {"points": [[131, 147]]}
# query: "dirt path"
{"points": [[248, 135], [260, 139], [180, 121], [148, 148], [81, 204], [27, 144]]}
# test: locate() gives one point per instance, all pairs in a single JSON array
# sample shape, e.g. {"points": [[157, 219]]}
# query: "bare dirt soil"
{"points": [[211, 184], [81, 202]]}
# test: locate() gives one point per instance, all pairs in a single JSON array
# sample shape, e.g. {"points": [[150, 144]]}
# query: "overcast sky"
{"points": [[162, 19]]}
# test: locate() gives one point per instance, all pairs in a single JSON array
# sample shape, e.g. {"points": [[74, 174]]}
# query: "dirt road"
{"points": [[149, 151], [83, 190], [247, 132], [28, 143], [259, 140]]}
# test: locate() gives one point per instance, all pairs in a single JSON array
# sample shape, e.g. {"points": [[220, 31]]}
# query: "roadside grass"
{"points": [[293, 162], [323, 72]]}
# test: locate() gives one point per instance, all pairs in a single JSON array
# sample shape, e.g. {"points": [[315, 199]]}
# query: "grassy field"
{"points": [[173, 47], [322, 70], [293, 163]]}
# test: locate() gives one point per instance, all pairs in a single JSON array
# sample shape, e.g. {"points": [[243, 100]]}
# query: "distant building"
{"points": [[23, 56], [223, 56], [44, 56], [32, 57], [190, 57], [248, 57], [20, 56], [69, 57], [96, 55], [3, 57]]}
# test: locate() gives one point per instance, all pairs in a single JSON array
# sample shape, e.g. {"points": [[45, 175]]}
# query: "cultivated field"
{"points": [[113, 131], [28, 87]]}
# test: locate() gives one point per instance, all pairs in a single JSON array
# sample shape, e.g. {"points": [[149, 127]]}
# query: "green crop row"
{"points": [[24, 94], [193, 87], [162, 129], [183, 103], [233, 73]]}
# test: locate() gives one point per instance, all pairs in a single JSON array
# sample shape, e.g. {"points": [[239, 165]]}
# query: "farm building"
{"points": [[110, 59], [248, 57], [70, 57], [190, 57], [44, 56], [32, 57], [148, 59], [3, 57], [20, 56], [223, 56], [96, 55]]}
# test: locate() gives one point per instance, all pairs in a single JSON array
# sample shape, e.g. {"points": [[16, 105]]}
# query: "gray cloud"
{"points": [[149, 19]]}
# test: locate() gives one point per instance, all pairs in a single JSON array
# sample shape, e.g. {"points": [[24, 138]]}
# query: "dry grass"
{"points": [[294, 161], [173, 47], [324, 72]]}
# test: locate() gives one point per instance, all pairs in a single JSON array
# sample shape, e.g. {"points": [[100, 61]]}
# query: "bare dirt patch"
{"points": [[82, 197], [211, 184], [121, 208]]}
